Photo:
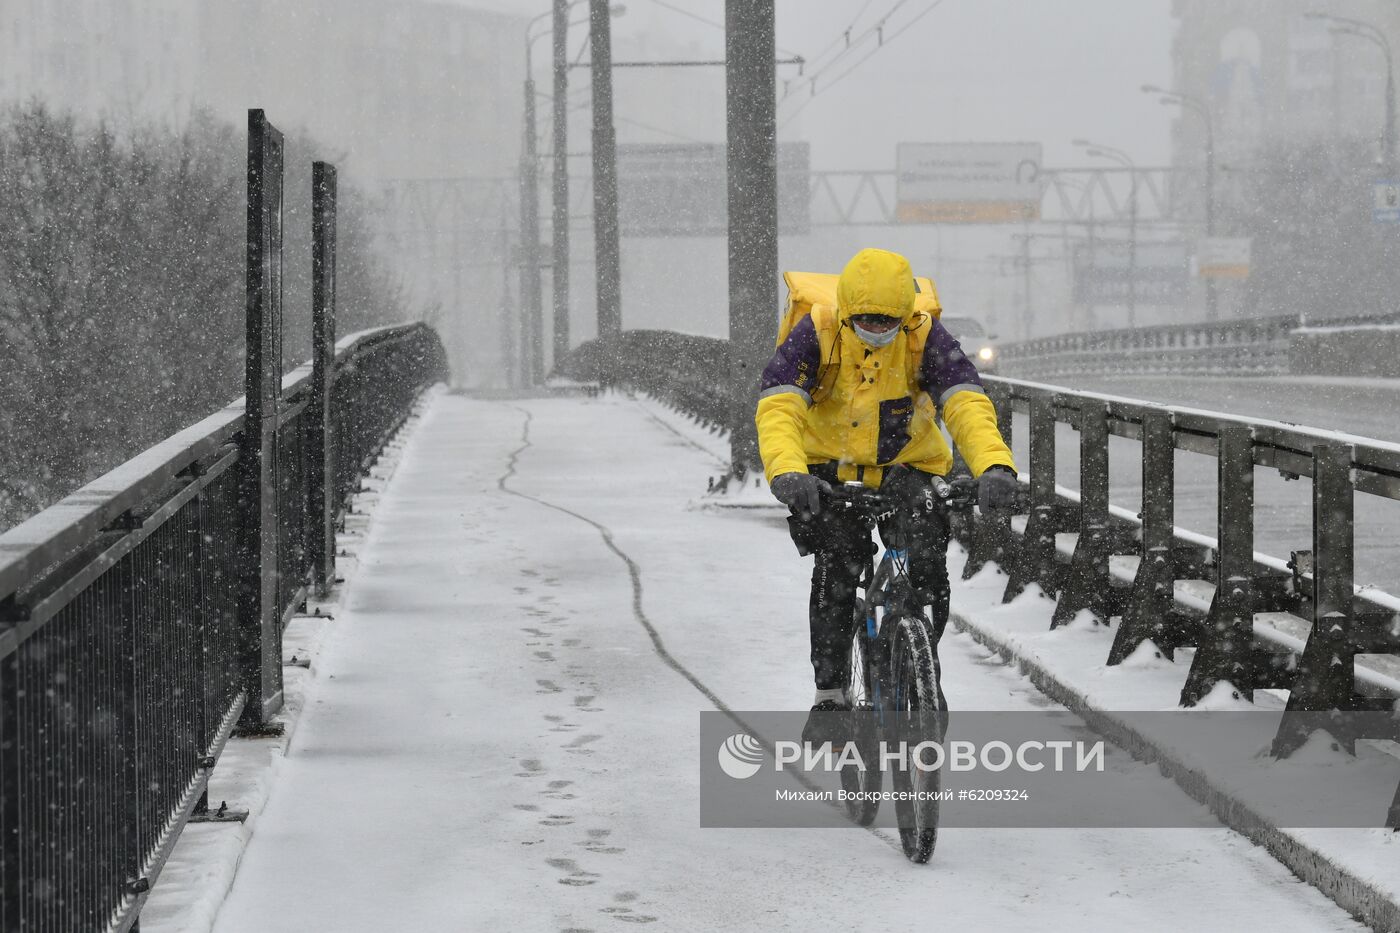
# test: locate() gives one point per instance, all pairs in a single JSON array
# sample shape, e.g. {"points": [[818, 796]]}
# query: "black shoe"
{"points": [[824, 725]]}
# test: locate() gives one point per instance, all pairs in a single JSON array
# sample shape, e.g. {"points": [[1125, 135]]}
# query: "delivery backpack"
{"points": [[813, 294]]}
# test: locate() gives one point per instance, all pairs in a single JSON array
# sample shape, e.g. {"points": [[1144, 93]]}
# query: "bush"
{"points": [[122, 289]]}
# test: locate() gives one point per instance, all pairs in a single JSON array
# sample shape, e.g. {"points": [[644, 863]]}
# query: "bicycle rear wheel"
{"points": [[863, 783], [919, 715]]}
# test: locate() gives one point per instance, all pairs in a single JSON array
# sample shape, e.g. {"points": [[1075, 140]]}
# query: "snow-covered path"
{"points": [[505, 730]]}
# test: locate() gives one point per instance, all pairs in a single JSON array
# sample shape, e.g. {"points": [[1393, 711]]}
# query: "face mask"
{"points": [[873, 338]]}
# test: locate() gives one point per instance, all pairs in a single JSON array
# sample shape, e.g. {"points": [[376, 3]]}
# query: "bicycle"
{"points": [[894, 671]]}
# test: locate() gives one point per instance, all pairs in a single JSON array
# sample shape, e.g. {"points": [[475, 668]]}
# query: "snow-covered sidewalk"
{"points": [[502, 729]]}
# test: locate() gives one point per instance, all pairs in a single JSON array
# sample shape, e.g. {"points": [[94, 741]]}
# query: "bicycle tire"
{"points": [[865, 782], [917, 703]]}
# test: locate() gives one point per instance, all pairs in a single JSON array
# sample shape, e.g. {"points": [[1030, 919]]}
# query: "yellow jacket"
{"points": [[827, 396]]}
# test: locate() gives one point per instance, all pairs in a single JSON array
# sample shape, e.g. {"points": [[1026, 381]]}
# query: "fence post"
{"points": [[1037, 554], [1226, 651], [1326, 671], [991, 534], [1087, 586], [320, 453], [10, 752], [1149, 608], [259, 616]]}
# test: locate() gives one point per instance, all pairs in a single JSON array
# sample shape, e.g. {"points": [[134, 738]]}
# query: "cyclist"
{"points": [[848, 397]]}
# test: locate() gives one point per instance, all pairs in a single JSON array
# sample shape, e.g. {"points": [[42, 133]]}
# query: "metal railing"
{"points": [[1128, 565], [123, 657], [1124, 564], [682, 370], [1248, 346]]}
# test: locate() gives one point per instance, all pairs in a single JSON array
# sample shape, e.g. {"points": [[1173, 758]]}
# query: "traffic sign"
{"points": [[1219, 257], [1385, 204], [968, 183], [678, 189], [1112, 273]]}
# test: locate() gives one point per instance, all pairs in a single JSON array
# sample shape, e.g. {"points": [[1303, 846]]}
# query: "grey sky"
{"points": [[1040, 70]]}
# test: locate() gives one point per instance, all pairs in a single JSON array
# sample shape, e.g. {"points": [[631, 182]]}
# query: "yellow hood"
{"points": [[876, 281]]}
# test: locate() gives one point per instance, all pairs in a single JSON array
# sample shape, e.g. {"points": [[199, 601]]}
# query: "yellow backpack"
{"points": [[813, 294]]}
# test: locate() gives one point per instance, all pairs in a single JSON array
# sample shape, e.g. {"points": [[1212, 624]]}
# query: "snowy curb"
{"points": [[1360, 897], [201, 869]]}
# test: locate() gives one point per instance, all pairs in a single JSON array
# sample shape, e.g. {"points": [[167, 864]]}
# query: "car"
{"points": [[976, 342]]}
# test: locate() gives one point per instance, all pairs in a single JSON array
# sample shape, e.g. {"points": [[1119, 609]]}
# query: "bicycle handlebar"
{"points": [[961, 492]]}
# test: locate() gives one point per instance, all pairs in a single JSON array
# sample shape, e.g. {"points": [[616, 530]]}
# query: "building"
{"points": [[1269, 71]]}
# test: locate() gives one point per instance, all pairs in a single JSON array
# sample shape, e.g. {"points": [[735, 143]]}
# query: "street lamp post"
{"points": [[1097, 150], [1372, 33], [1199, 107], [531, 291], [531, 288], [607, 248], [559, 266]]}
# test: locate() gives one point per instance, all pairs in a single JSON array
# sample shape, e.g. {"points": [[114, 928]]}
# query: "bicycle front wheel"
{"points": [[862, 782], [914, 697]]}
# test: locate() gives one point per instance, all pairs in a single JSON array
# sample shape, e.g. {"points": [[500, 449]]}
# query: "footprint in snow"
{"points": [[576, 875]]}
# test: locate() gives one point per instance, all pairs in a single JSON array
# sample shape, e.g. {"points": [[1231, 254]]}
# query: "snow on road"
{"points": [[505, 730]]}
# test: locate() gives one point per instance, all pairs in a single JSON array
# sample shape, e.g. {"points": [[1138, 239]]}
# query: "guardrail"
{"points": [[682, 370], [123, 664], [141, 617], [1254, 621], [1251, 346]]}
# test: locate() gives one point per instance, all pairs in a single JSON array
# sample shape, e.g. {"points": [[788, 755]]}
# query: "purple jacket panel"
{"points": [[796, 362], [945, 365]]}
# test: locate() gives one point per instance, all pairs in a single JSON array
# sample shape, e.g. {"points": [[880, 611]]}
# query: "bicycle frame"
{"points": [[887, 588]]}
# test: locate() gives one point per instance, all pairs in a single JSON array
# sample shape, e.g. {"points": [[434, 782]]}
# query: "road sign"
{"points": [[1223, 257], [680, 190], [1108, 273], [1385, 204], [967, 183]]}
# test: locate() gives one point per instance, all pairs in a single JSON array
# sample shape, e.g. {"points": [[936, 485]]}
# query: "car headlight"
{"points": [[986, 353]]}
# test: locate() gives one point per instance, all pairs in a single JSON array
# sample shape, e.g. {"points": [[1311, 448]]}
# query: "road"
{"points": [[505, 731]]}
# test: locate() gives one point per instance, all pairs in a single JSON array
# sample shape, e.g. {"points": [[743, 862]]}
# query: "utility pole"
{"points": [[1026, 282], [560, 242], [1201, 108], [752, 162], [608, 253], [531, 290], [1132, 251], [1098, 150]]}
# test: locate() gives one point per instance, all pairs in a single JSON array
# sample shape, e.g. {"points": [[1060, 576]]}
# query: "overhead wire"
{"points": [[884, 43], [715, 23], [875, 30], [657, 129], [843, 34]]}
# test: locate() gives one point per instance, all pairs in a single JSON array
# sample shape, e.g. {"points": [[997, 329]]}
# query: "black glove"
{"points": [[800, 492], [907, 486], [997, 489]]}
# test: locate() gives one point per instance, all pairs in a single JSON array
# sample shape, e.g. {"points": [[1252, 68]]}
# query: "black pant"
{"points": [[843, 549]]}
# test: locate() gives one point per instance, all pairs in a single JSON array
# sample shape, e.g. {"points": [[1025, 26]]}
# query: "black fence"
{"points": [[682, 370], [1127, 564], [121, 655], [1250, 346], [141, 617]]}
